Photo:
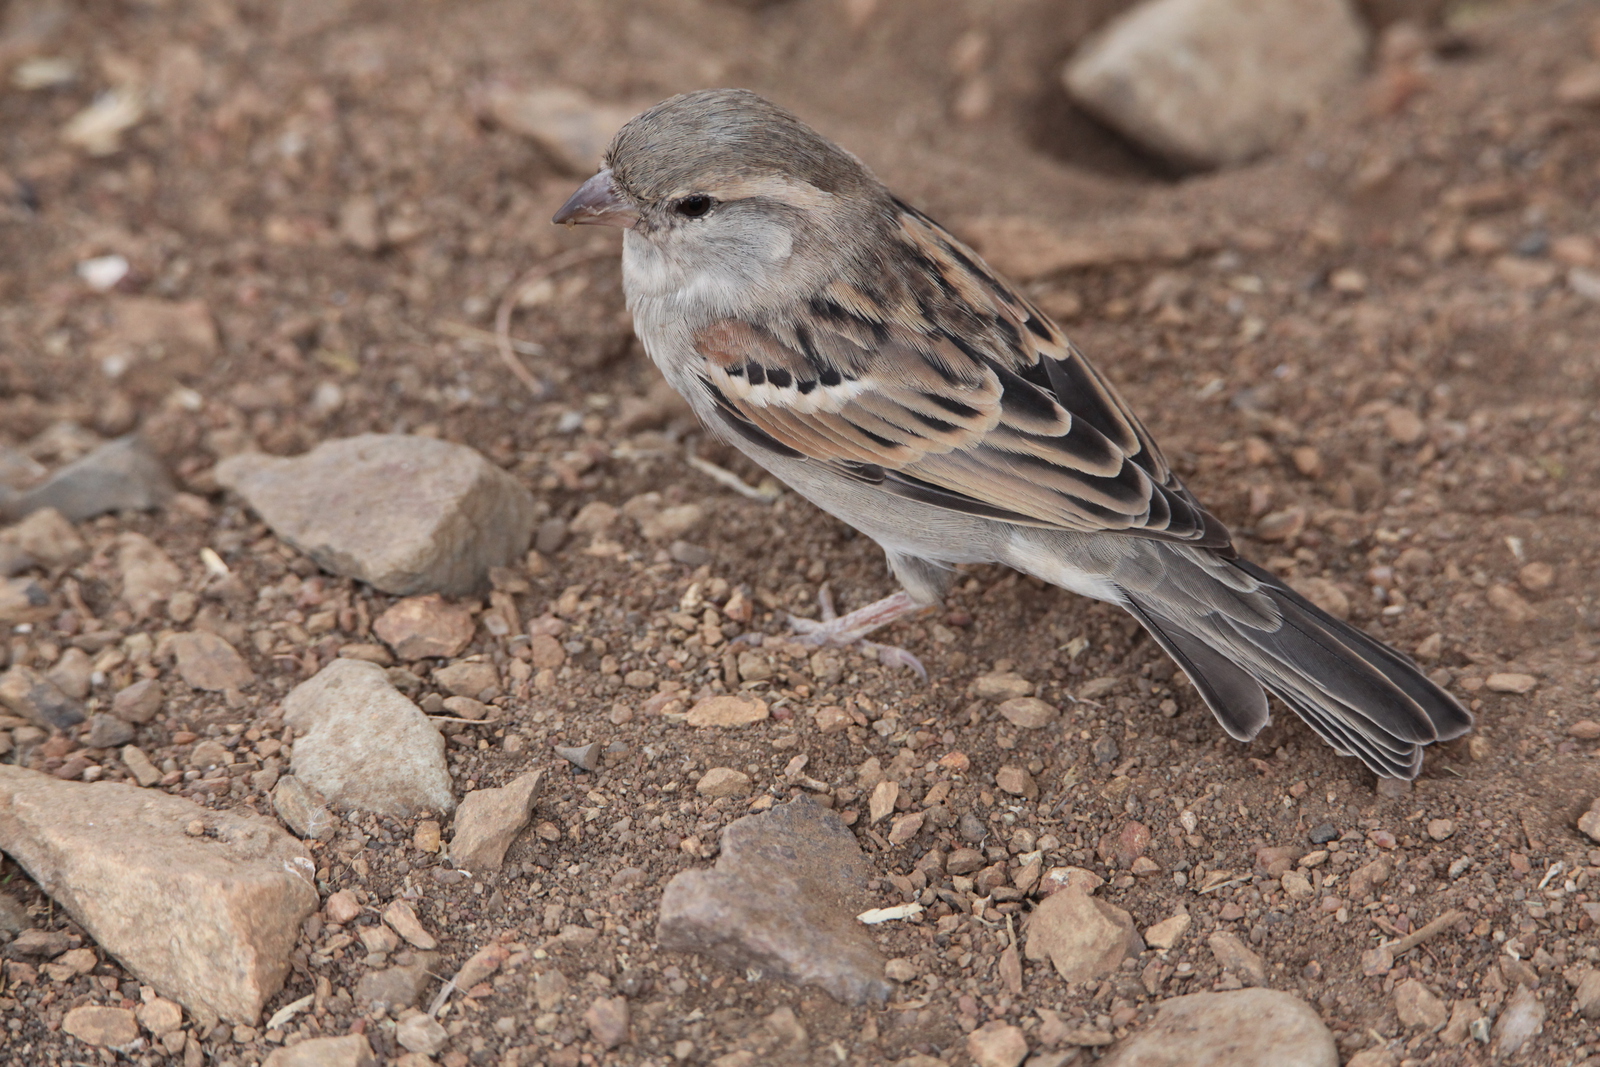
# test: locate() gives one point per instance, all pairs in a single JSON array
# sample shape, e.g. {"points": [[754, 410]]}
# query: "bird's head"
{"points": [[723, 192]]}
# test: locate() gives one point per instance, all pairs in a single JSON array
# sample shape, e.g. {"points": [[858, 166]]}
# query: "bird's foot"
{"points": [[843, 631]]}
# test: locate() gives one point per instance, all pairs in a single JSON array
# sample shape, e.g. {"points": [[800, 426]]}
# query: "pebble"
{"points": [[1085, 939], [607, 1019], [783, 898], [120, 475], [48, 538], [1016, 781], [468, 678], [723, 782], [1521, 1021], [421, 1033], [39, 943], [1364, 879], [900, 970], [1536, 577], [1511, 683], [1297, 886], [36, 698], [571, 127], [1165, 934], [351, 1050], [1324, 593], [149, 577], [341, 907], [467, 708], [1589, 821], [1208, 83], [1028, 713], [1281, 525], [107, 731], [1233, 955], [1405, 427], [362, 744], [727, 711], [1418, 1007], [671, 523], [1126, 845], [210, 921], [92, 1024], [18, 470], [1323, 833], [139, 702], [688, 554], [159, 1015], [1586, 998], [1023, 248], [209, 663], [880, 804], [301, 808], [406, 514], [402, 919], [23, 600], [1372, 1057], [421, 627], [1580, 86], [396, 987], [1001, 685], [546, 652], [13, 561], [583, 757], [997, 1044], [1441, 829], [144, 772], [1511, 604], [596, 517], [173, 324], [1241, 1028], [1307, 460], [488, 820], [1585, 730]]}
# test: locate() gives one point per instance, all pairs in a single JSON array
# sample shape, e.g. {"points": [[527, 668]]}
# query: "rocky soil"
{"points": [[372, 693]]}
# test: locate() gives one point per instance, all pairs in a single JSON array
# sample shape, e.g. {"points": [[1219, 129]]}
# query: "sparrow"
{"points": [[863, 355]]}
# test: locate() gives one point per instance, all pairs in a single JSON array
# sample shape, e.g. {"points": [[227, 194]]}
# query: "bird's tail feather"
{"points": [[1361, 696]]}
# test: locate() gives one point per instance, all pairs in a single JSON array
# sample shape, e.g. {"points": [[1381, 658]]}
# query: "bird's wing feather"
{"points": [[962, 395]]}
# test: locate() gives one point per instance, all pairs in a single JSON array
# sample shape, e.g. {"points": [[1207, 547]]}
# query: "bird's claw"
{"points": [[844, 631]]}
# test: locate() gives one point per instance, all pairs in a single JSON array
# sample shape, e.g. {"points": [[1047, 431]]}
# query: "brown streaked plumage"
{"points": [[856, 349]]}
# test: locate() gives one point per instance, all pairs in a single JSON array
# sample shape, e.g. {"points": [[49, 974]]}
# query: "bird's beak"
{"points": [[598, 202]]}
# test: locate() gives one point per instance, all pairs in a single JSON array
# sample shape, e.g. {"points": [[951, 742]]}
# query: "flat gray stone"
{"points": [[405, 514], [782, 900], [120, 475], [1209, 83], [209, 919], [1243, 1028], [361, 744]]}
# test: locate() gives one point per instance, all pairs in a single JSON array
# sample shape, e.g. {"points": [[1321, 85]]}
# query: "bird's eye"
{"points": [[693, 207]]}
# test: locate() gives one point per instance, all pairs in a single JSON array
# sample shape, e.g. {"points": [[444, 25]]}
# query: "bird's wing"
{"points": [[940, 383]]}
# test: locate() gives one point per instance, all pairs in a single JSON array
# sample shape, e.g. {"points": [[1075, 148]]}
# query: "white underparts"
{"points": [[1031, 558]]}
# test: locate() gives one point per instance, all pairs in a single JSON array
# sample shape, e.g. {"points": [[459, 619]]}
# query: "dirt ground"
{"points": [[1376, 348]]}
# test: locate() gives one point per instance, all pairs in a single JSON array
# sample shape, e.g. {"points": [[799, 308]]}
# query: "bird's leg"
{"points": [[841, 631]]}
